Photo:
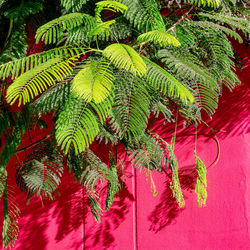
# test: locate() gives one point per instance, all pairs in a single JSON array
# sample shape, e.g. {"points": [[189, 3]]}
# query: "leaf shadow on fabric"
{"points": [[167, 210], [101, 235]]}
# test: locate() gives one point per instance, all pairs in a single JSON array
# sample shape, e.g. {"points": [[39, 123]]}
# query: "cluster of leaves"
{"points": [[102, 74]]}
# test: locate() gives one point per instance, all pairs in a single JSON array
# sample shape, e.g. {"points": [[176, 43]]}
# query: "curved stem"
{"points": [[217, 142]]}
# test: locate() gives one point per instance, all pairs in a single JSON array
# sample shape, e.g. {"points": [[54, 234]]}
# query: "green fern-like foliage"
{"points": [[144, 15], [158, 37], [161, 80], [233, 21], [21, 65], [116, 31], [93, 82], [125, 57], [175, 184], [73, 5], [201, 183], [113, 187], [205, 84], [53, 99], [41, 177], [53, 31], [77, 124], [147, 154], [131, 110], [34, 82], [109, 5], [209, 3], [96, 171]]}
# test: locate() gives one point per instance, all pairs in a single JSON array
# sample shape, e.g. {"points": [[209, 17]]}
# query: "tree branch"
{"points": [[33, 144], [181, 19]]}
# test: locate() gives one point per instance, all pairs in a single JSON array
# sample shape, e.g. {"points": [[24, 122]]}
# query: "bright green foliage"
{"points": [[20, 66], [93, 82], [77, 125], [158, 37], [53, 31], [34, 82], [201, 183], [161, 80], [209, 3], [101, 28], [108, 5], [125, 57]]}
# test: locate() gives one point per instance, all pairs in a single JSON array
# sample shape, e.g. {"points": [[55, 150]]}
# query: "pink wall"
{"points": [[137, 220]]}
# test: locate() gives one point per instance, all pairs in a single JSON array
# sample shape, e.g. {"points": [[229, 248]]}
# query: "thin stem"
{"points": [[217, 142], [181, 19], [33, 144]]}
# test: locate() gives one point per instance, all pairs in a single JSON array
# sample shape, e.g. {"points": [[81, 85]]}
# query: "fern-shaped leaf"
{"points": [[191, 69], [52, 99], [42, 177], [34, 82], [210, 25], [93, 82], [100, 28], [113, 188], [20, 66], [149, 155], [96, 170], [95, 208], [201, 183], [159, 38], [175, 185], [73, 5], [115, 31], [131, 106], [125, 57], [110, 5], [77, 124], [3, 179], [144, 15], [209, 3], [235, 22], [161, 80], [53, 31]]}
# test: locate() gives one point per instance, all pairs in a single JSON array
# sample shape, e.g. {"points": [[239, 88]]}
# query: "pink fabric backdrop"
{"points": [[137, 220]]}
